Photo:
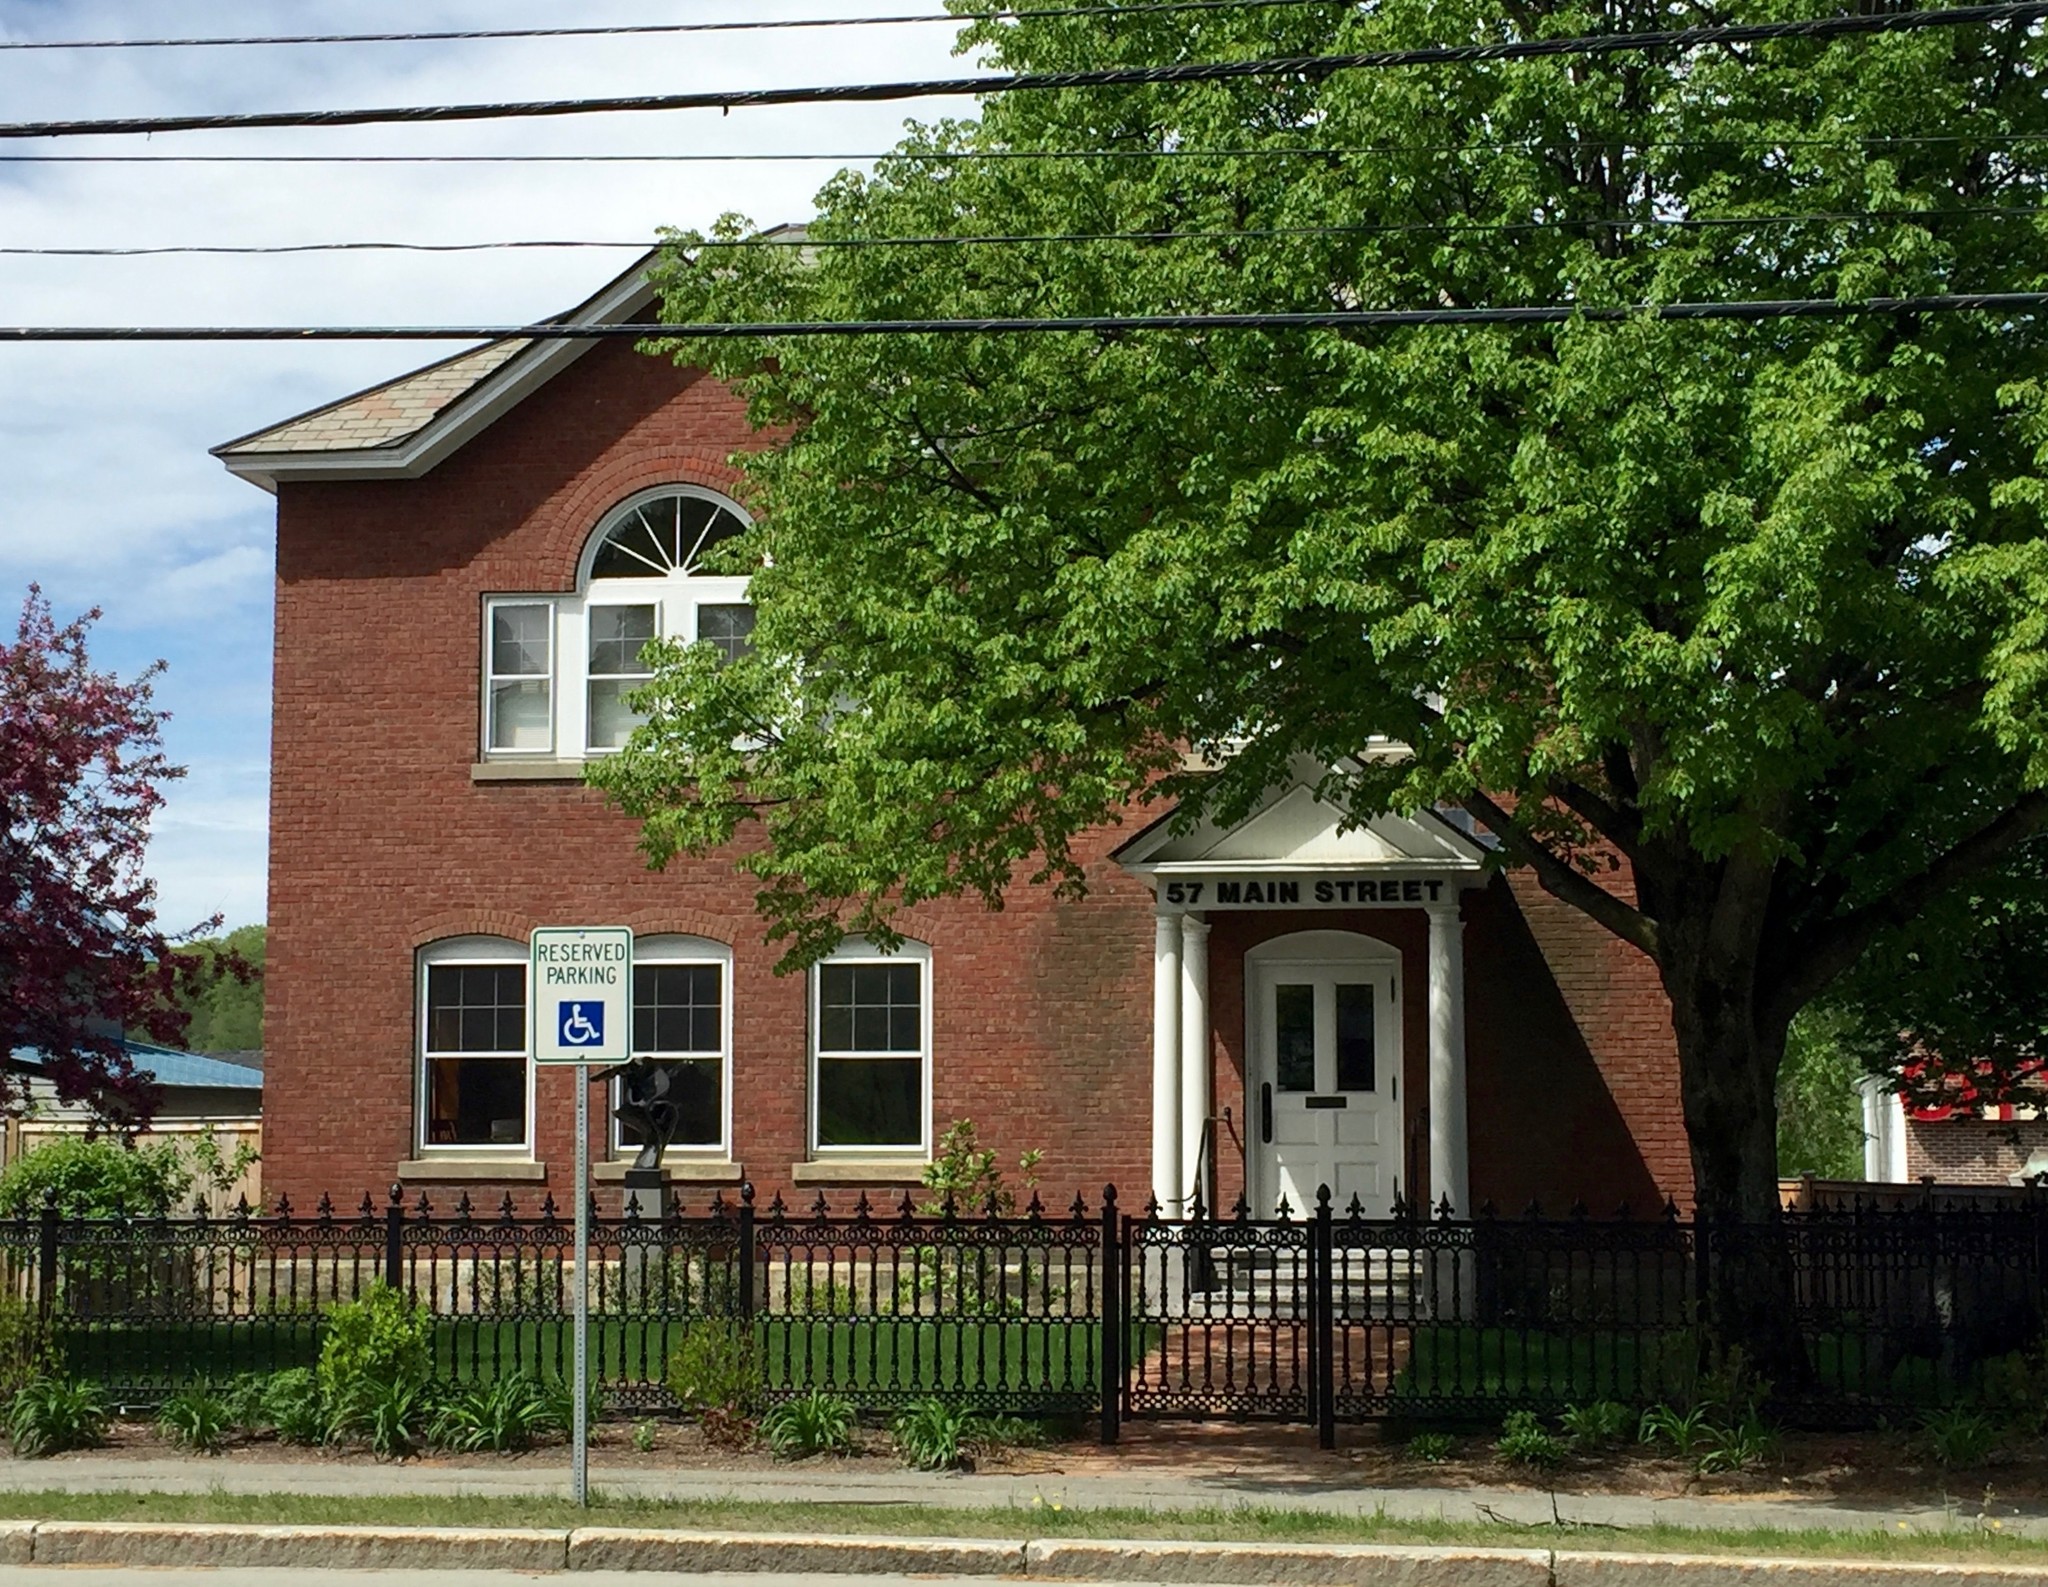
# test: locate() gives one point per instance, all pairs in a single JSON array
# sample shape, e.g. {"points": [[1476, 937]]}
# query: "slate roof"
{"points": [[383, 415]]}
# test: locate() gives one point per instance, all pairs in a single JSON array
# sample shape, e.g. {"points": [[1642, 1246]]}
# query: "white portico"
{"points": [[1322, 994]]}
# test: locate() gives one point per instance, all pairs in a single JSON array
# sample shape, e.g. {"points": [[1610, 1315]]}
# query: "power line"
{"points": [[1014, 239], [1304, 66], [1318, 319], [769, 157], [629, 30]]}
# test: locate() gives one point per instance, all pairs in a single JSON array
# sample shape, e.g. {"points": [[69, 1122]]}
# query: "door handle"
{"points": [[1266, 1113]]}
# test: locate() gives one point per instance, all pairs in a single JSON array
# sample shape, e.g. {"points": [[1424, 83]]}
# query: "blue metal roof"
{"points": [[173, 1068]]}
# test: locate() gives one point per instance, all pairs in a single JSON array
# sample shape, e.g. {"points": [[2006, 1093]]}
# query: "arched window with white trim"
{"points": [[475, 1085], [558, 668], [682, 1018]]}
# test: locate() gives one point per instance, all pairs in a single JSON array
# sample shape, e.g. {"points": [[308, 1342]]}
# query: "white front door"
{"points": [[1325, 1072]]}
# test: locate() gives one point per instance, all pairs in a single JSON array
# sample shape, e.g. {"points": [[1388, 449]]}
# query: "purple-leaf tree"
{"points": [[82, 959]]}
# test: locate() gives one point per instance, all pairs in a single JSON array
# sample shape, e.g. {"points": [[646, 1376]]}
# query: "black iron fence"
{"points": [[1326, 1318]]}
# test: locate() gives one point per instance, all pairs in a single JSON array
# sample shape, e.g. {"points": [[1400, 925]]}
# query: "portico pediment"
{"points": [[1294, 831]]}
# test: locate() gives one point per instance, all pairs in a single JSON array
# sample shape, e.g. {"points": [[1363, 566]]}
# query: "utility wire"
{"points": [[2007, 303], [1313, 67], [629, 30], [769, 157], [1391, 228]]}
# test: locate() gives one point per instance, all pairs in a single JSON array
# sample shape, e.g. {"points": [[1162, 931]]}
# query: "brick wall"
{"points": [[381, 843], [1972, 1151]]}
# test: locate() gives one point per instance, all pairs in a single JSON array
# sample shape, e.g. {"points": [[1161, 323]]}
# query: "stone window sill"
{"points": [[490, 1170], [859, 1171], [686, 1172], [527, 771]]}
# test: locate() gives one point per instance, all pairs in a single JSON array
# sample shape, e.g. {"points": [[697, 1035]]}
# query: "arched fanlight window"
{"points": [[663, 537]]}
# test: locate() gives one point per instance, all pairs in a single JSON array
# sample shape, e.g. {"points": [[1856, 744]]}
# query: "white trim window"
{"points": [[682, 1017], [558, 669], [475, 1084], [871, 1023]]}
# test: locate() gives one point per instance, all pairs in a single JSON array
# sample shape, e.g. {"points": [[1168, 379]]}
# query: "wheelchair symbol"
{"points": [[580, 1029]]}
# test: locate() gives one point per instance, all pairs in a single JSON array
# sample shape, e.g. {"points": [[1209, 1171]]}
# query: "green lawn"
{"points": [[1961, 1542]]}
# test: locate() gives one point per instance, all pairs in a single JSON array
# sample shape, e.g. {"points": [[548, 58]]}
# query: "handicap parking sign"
{"points": [[580, 1024]]}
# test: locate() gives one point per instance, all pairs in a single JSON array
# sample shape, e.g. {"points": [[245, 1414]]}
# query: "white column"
{"points": [[1449, 1163], [1194, 1050], [1165, 1061]]}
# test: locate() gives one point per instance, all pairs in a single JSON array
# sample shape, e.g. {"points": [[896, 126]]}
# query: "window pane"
{"points": [[519, 641], [870, 1008], [476, 1101], [476, 1008], [519, 716], [676, 1008], [694, 1088], [730, 628], [1294, 1037], [611, 720], [617, 634], [870, 1102], [1355, 1065]]}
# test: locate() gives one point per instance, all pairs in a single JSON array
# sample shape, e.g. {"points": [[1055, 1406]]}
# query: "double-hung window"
{"points": [[871, 1052], [474, 1091], [559, 670], [682, 1019]]}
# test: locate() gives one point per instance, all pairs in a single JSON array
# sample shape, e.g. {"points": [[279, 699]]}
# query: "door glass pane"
{"points": [[1355, 1059], [1294, 1037]]}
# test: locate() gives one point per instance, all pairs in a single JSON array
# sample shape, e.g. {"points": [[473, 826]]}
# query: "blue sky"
{"points": [[110, 497]]}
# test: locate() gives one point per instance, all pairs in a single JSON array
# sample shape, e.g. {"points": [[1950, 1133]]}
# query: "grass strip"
{"points": [[1964, 1540]]}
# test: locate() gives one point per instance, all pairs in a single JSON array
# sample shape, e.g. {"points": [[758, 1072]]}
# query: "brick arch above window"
{"points": [[665, 921], [573, 515], [474, 923]]}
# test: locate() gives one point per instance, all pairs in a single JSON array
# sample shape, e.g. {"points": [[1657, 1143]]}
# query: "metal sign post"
{"points": [[582, 987]]}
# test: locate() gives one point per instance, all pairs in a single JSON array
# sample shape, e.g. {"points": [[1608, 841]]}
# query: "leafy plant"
{"points": [[197, 1418], [715, 1371], [1596, 1425], [376, 1346], [294, 1406], [1957, 1436], [2013, 1389], [393, 1417], [1524, 1441], [643, 1436], [246, 1398], [816, 1423], [933, 1434], [25, 1353], [95, 1178], [504, 1415], [50, 1415], [558, 1403], [1735, 1446], [1432, 1449], [965, 1171], [1685, 1431]]}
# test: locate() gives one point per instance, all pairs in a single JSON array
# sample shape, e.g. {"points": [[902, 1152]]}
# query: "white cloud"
{"points": [[111, 498]]}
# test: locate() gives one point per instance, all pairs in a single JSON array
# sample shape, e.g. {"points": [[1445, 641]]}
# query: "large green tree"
{"points": [[1756, 609]]}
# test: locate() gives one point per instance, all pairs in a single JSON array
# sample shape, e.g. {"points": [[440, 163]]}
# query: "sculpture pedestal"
{"points": [[648, 1188], [643, 1262]]}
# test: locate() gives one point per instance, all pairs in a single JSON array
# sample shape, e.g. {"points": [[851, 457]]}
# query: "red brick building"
{"points": [[468, 560]]}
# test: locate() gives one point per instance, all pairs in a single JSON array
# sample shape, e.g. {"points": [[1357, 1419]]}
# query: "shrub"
{"points": [[505, 1415], [715, 1372], [1525, 1442], [293, 1405], [246, 1398], [932, 1434], [51, 1415], [1600, 1423], [197, 1418], [378, 1342], [814, 1424], [1958, 1437], [1432, 1449], [98, 1178]]}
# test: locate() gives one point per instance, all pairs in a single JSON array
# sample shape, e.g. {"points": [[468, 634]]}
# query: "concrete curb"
{"points": [[681, 1551]]}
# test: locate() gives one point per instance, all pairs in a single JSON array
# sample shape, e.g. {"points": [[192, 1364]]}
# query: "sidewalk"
{"points": [[1191, 1473]]}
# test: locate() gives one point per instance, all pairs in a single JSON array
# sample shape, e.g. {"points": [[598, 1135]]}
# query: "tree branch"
{"points": [[1558, 879], [1820, 954]]}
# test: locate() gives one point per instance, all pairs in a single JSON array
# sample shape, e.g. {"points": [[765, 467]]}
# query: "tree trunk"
{"points": [[1728, 1075]]}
